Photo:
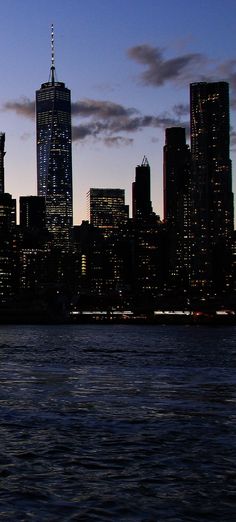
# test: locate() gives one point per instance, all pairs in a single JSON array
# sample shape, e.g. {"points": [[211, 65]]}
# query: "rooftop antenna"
{"points": [[52, 75], [145, 162]]}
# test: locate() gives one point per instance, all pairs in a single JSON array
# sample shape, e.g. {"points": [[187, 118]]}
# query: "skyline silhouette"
{"points": [[127, 86]]}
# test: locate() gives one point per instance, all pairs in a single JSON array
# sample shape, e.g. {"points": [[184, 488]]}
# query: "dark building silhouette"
{"points": [[2, 154], [211, 187], [107, 208], [8, 259], [177, 206], [54, 156], [33, 212], [141, 189]]}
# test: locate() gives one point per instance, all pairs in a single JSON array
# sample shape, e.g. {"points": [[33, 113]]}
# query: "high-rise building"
{"points": [[211, 186], [141, 203], [2, 154], [107, 208], [54, 156], [177, 205], [7, 247], [32, 212]]}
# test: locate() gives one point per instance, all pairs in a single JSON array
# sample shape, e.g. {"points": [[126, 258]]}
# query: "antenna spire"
{"points": [[52, 56], [145, 162]]}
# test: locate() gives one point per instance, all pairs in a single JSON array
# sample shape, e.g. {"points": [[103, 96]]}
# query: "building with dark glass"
{"points": [[33, 212], [8, 261], [141, 190], [211, 187], [176, 170], [54, 156]]}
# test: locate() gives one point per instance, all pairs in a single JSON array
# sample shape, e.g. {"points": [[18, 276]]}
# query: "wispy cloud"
{"points": [[233, 140], [116, 124], [159, 70], [22, 107], [105, 120], [110, 128], [99, 108], [118, 141], [181, 69]]}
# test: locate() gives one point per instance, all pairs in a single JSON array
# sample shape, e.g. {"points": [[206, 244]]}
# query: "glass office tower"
{"points": [[107, 208], [211, 186], [54, 155]]}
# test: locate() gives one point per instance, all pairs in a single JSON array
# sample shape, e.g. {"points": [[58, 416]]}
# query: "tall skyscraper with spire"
{"points": [[54, 154]]}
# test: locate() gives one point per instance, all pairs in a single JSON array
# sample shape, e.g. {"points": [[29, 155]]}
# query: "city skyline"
{"points": [[128, 83]]}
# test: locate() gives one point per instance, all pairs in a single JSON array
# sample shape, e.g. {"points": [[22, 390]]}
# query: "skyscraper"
{"points": [[54, 156], [107, 208], [32, 212], [211, 186], [2, 154], [142, 205], [177, 204]]}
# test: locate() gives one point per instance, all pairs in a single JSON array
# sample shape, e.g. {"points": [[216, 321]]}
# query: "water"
{"points": [[117, 423]]}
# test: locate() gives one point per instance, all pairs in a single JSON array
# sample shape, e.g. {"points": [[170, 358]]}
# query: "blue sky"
{"points": [[128, 65]]}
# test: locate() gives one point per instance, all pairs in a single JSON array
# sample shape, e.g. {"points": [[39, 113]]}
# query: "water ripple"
{"points": [[117, 423]]}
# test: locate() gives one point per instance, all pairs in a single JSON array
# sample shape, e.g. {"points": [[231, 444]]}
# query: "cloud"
{"points": [[105, 120], [109, 129], [159, 70], [118, 141], [181, 109], [100, 108], [23, 107], [233, 139], [182, 69]]}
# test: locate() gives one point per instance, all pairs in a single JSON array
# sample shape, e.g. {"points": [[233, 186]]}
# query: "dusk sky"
{"points": [[128, 64]]}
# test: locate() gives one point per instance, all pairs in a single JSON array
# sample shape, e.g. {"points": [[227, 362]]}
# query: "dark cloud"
{"points": [[181, 109], [108, 129], [184, 69], [158, 70], [105, 120], [23, 107], [101, 109], [80, 132]]}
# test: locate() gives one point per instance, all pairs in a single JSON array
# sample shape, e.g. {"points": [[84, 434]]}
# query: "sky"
{"points": [[128, 64]]}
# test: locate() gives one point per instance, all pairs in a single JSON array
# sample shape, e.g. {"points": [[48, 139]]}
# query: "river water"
{"points": [[117, 423]]}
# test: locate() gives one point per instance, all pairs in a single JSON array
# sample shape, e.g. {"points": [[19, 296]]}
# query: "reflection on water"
{"points": [[126, 423]]}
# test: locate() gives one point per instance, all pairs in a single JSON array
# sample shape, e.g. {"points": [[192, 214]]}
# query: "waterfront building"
{"points": [[8, 258], [177, 206], [141, 190], [54, 155], [211, 187]]}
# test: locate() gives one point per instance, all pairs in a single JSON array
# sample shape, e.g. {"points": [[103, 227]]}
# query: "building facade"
{"points": [[2, 154], [54, 154], [176, 170], [211, 187], [33, 212], [107, 208], [141, 190], [8, 259]]}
